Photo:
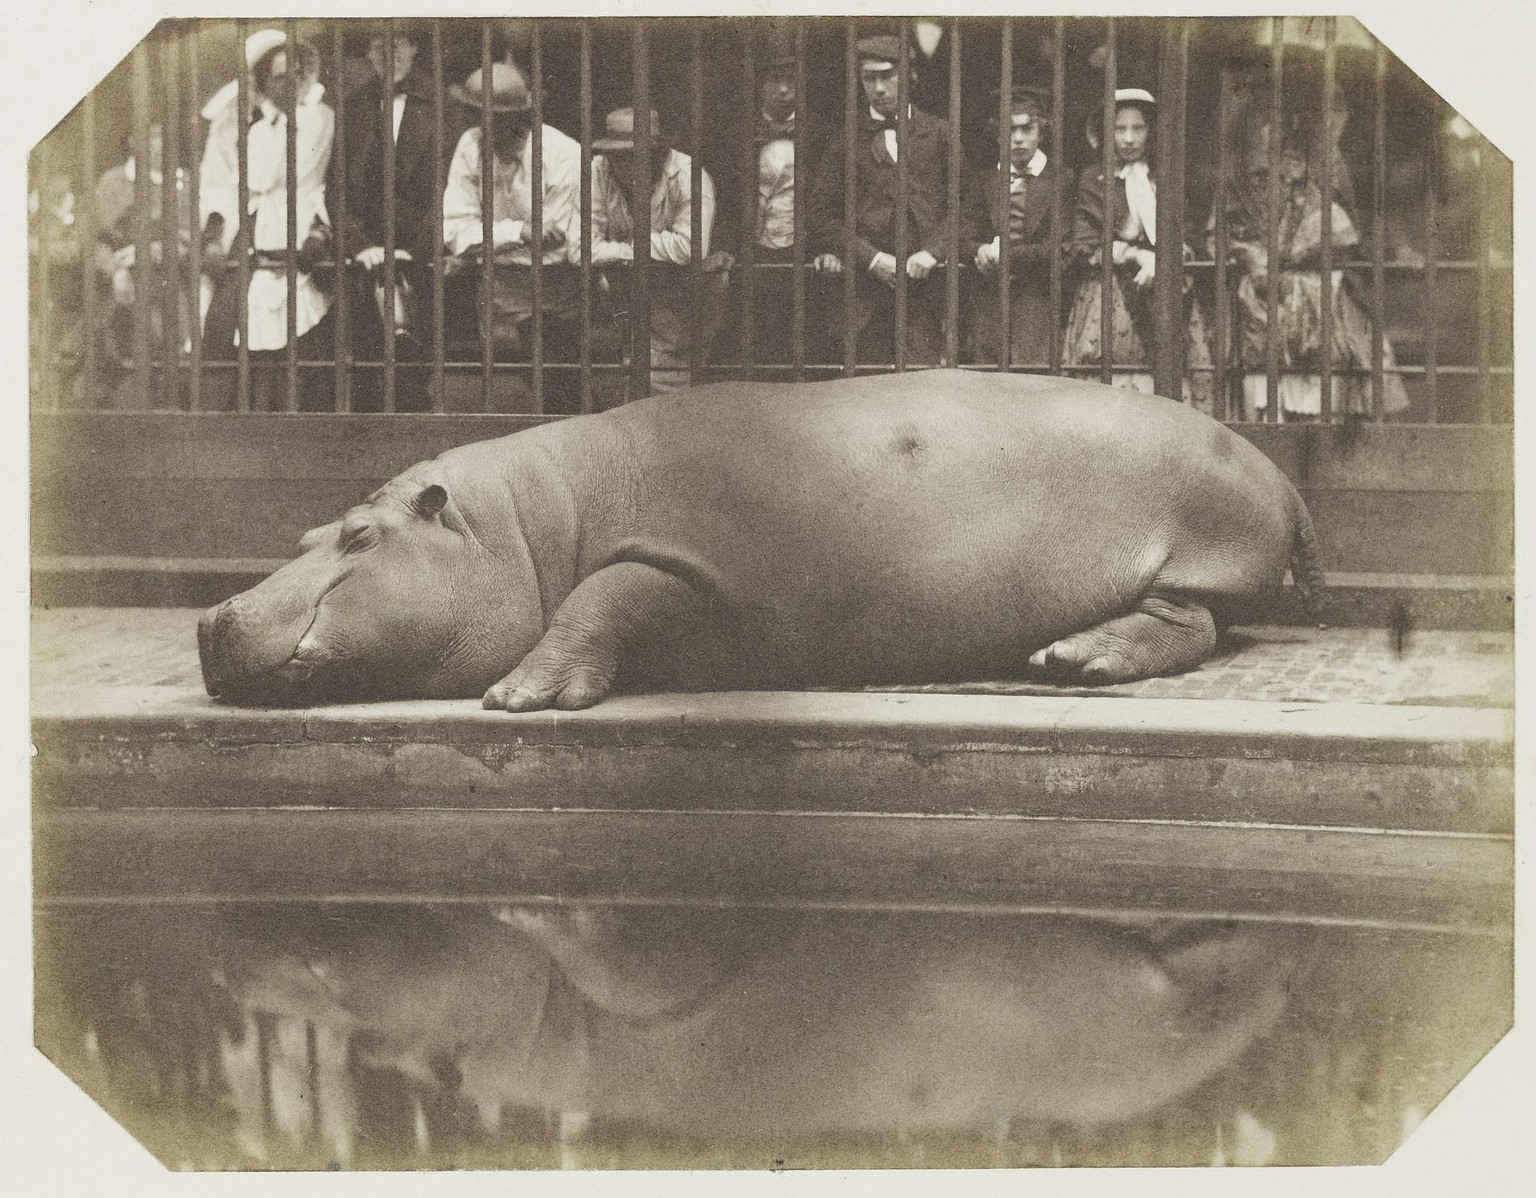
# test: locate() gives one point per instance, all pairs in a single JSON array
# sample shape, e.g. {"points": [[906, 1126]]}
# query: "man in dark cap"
{"points": [[514, 240], [662, 189], [868, 247], [399, 89], [1027, 217]]}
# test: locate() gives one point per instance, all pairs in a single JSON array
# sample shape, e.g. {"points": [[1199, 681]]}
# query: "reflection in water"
{"points": [[594, 1037]]}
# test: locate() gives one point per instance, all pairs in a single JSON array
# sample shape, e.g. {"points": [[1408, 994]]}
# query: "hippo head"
{"points": [[379, 605]]}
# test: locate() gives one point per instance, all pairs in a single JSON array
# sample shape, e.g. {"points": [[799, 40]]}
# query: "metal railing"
{"points": [[164, 361]]}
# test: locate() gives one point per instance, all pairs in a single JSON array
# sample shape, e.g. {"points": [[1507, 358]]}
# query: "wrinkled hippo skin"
{"points": [[925, 526], [745, 1025]]}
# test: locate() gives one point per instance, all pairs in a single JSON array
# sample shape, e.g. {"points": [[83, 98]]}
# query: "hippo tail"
{"points": [[1306, 563]]}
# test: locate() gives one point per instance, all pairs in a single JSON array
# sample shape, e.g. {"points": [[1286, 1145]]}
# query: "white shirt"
{"points": [[399, 112], [890, 129], [671, 211], [512, 197], [776, 193], [1032, 168]]}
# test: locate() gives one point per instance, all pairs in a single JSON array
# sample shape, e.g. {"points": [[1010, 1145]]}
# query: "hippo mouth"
{"points": [[248, 671]]}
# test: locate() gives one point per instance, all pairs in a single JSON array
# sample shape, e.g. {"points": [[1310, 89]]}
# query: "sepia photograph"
{"points": [[980, 637]]}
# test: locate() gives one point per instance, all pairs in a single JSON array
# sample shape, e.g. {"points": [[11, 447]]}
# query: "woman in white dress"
{"points": [[276, 75]]}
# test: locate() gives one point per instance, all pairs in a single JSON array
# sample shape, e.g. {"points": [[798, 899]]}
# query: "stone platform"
{"points": [[1338, 776]]}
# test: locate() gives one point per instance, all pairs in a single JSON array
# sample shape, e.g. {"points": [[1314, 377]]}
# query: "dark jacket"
{"points": [[875, 185], [1029, 246], [360, 148]]}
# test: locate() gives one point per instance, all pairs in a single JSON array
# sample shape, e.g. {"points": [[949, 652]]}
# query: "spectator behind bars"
{"points": [[1301, 289], [771, 222], [869, 247], [1127, 202], [117, 253], [277, 80], [512, 231], [362, 224], [621, 185], [1032, 182]]}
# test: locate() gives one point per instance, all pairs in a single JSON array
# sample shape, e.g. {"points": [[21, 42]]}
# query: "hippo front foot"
{"points": [[613, 616], [1164, 635], [536, 687]]}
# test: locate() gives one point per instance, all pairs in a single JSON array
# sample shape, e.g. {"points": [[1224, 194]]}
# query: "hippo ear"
{"points": [[430, 501]]}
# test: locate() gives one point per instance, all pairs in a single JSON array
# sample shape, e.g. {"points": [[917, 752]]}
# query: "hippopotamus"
{"points": [[754, 1029], [926, 526]]}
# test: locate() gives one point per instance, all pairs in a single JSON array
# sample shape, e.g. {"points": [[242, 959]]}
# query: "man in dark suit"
{"points": [[1027, 218], [357, 169], [868, 248]]}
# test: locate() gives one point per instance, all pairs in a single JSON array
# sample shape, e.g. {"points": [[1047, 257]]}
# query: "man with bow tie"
{"points": [[357, 175], [868, 248], [1027, 217]]}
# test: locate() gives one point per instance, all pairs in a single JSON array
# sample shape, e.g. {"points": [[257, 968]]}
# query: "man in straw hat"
{"points": [[623, 185], [1026, 216], [513, 236], [868, 248]]}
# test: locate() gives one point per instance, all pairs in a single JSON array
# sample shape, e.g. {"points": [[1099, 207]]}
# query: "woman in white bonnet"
{"points": [[276, 75], [1129, 205]]}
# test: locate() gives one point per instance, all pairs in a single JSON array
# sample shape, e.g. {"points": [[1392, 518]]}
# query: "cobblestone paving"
{"points": [[108, 647]]}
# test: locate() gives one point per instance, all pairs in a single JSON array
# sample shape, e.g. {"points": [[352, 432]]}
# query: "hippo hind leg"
{"points": [[1165, 634]]}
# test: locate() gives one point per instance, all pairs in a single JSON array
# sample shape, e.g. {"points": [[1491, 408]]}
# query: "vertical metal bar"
{"points": [[85, 223], [291, 196], [386, 115], [1058, 141], [143, 190], [1483, 412], [903, 184], [586, 214], [1107, 233], [800, 193], [264, 1036], [851, 126], [487, 216], [536, 212], [242, 224], [312, 1081], [1379, 233], [1325, 264], [1221, 351], [1272, 231], [952, 217], [749, 198], [439, 175], [173, 289], [695, 210], [1432, 259], [1004, 158], [342, 329], [640, 301], [193, 132], [1167, 289]]}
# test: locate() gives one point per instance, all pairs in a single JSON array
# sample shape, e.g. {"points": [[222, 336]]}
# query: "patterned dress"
{"points": [[1132, 313], [1302, 292]]}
